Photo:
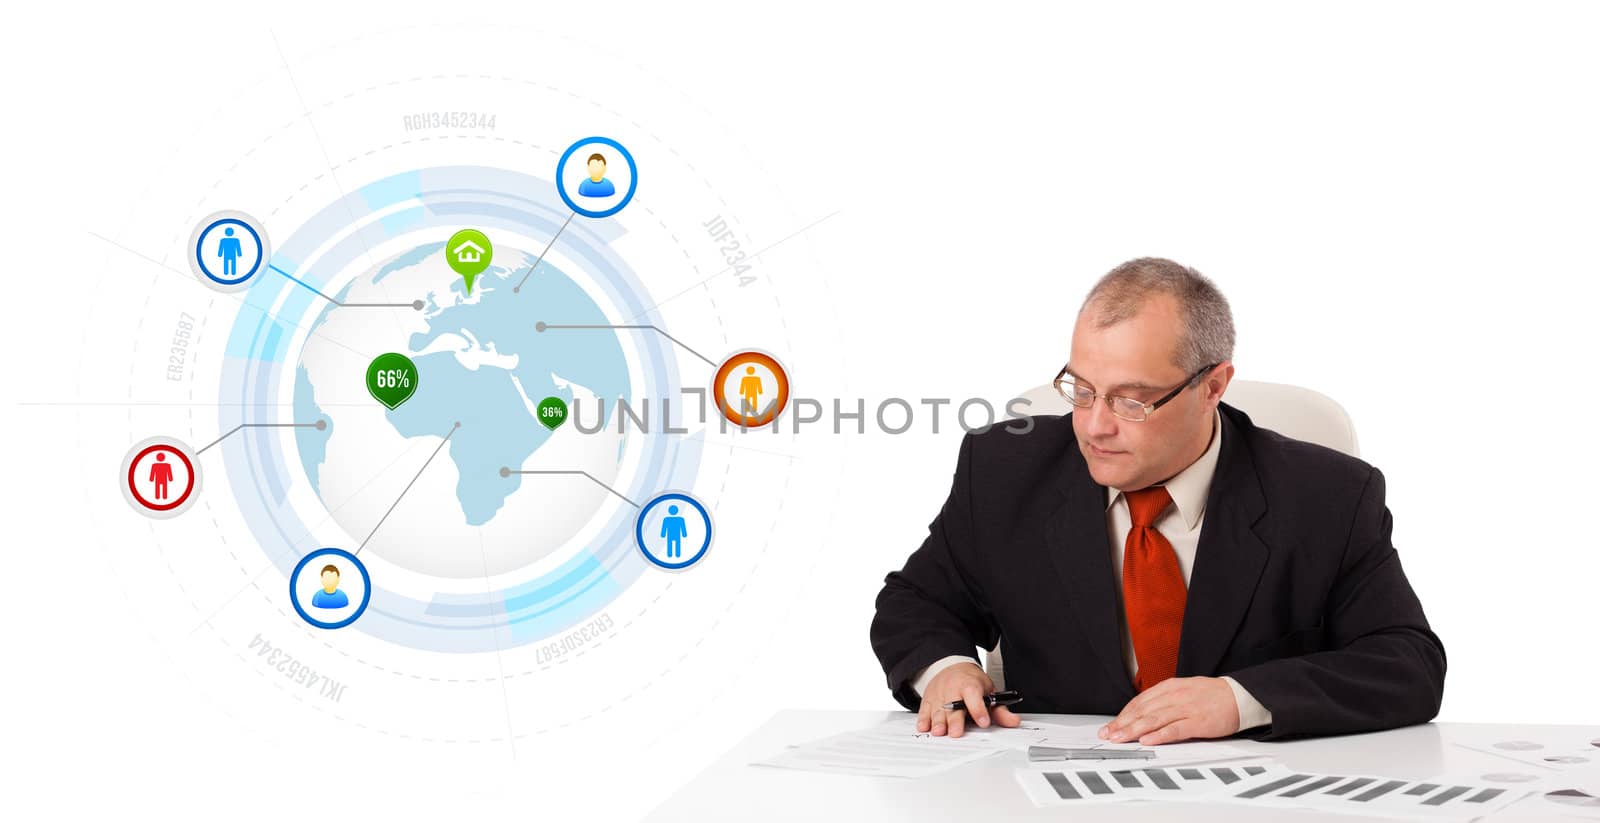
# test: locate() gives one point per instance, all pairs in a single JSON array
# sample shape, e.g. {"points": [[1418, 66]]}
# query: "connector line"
{"points": [[408, 487], [234, 296], [541, 326], [319, 426], [506, 472], [415, 304], [517, 288], [292, 544], [668, 299]]}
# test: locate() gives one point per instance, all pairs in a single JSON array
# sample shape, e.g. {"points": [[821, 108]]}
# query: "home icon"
{"points": [[468, 252]]}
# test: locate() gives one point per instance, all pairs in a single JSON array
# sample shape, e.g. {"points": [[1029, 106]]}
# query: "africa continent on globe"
{"points": [[480, 361]]}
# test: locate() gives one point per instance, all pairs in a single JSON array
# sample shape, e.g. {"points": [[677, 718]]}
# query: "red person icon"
{"points": [[161, 475], [164, 486]]}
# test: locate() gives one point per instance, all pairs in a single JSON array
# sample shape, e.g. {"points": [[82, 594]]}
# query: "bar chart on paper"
{"points": [[1268, 787], [1055, 787], [1369, 794]]}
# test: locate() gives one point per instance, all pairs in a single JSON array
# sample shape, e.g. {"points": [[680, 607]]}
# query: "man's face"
{"points": [[330, 581], [1134, 358], [597, 170]]}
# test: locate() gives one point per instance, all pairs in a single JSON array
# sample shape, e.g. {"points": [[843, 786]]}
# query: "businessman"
{"points": [[1157, 557]]}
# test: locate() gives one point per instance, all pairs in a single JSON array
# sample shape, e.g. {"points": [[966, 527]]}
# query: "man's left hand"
{"points": [[1178, 708]]}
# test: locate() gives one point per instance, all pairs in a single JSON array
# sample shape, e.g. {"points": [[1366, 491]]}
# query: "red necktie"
{"points": [[1153, 593]]}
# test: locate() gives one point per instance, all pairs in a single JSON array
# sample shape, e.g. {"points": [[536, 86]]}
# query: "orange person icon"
{"points": [[161, 475], [760, 383], [750, 391]]}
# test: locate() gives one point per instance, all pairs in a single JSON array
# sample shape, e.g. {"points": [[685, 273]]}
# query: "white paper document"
{"points": [[1569, 793], [1170, 754], [1551, 750], [1569, 803], [1069, 784], [897, 749], [1367, 795]]}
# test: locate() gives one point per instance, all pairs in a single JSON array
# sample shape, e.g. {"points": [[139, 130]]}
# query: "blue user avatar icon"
{"points": [[228, 249], [673, 531], [330, 588], [603, 174], [596, 184]]}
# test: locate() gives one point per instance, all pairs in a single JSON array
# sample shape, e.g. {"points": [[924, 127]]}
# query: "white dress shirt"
{"points": [[1180, 523]]}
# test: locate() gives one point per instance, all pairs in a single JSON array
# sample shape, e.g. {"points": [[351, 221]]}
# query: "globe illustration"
{"points": [[482, 362]]}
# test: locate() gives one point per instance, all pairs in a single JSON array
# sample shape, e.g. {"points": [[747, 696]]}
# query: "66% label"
{"points": [[391, 379]]}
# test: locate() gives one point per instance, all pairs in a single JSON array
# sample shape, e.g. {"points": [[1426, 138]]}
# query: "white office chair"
{"points": [[1289, 410]]}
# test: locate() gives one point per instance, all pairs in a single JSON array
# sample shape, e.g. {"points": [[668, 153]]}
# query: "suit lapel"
{"points": [[1078, 545], [1230, 556]]}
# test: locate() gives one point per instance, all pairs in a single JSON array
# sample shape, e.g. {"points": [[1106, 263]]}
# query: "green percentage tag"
{"points": [[392, 379], [552, 412]]}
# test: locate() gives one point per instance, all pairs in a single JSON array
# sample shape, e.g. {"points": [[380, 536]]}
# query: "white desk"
{"points": [[731, 789]]}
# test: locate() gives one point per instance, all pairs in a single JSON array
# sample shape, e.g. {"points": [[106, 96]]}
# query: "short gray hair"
{"points": [[1207, 336]]}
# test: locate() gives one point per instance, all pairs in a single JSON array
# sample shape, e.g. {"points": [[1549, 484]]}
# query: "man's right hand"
{"points": [[968, 683]]}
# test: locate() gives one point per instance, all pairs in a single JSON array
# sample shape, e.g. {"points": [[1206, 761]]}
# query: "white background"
{"points": [[1398, 199]]}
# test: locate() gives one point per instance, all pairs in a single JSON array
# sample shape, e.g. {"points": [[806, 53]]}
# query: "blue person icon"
{"points": [[230, 250], [674, 528], [236, 240]]}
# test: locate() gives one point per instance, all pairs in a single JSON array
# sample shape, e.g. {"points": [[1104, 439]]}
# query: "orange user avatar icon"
{"points": [[751, 389]]}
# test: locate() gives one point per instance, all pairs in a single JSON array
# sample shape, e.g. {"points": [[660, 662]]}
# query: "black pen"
{"points": [[1003, 698]]}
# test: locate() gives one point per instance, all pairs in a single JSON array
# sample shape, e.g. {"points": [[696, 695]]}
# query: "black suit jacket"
{"points": [[1295, 592]]}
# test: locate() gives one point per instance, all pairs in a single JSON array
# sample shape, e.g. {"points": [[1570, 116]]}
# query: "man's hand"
{"points": [[1178, 708], [968, 683]]}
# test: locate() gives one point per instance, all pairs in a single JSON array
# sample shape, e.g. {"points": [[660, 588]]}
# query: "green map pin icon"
{"points": [[392, 379], [552, 412], [468, 253]]}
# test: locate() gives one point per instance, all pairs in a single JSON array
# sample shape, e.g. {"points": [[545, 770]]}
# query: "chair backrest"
{"points": [[1291, 411]]}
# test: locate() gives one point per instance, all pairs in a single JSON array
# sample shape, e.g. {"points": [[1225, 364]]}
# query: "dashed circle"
{"points": [[532, 670]]}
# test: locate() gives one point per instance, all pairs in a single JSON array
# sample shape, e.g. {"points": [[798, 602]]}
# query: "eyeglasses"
{"points": [[1127, 408]]}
